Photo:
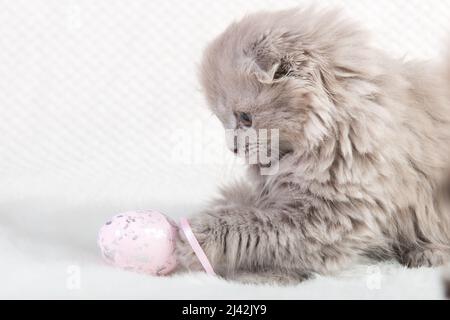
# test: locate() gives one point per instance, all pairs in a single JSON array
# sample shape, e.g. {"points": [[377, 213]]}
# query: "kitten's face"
{"points": [[259, 118], [253, 92], [284, 71]]}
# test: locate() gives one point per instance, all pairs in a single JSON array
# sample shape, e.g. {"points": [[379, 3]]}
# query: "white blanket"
{"points": [[48, 250]]}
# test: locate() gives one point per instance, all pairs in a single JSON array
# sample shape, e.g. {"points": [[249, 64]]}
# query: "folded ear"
{"points": [[269, 65], [273, 72]]}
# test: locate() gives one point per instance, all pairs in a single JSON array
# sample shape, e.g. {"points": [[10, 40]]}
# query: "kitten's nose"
{"points": [[235, 150]]}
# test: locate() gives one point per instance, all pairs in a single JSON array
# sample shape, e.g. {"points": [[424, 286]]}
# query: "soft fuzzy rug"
{"points": [[48, 250]]}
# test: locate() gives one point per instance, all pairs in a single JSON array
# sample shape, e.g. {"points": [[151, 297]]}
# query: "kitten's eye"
{"points": [[245, 119]]}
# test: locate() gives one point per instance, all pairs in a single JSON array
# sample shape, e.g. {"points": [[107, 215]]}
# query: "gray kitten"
{"points": [[364, 147]]}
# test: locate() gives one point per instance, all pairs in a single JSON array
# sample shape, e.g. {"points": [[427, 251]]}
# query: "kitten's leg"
{"points": [[223, 246], [189, 262], [429, 253], [426, 256], [286, 240]]}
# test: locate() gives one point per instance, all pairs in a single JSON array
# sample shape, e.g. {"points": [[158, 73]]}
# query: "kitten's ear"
{"points": [[269, 63], [270, 70]]}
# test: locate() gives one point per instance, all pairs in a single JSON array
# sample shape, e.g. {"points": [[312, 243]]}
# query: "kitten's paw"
{"points": [[425, 257], [187, 260]]}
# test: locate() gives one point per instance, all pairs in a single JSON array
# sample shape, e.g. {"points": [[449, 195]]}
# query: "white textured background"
{"points": [[100, 111]]}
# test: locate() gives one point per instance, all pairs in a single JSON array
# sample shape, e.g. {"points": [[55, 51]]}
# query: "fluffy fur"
{"points": [[364, 151]]}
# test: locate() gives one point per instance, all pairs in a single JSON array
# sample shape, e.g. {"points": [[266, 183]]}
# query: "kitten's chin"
{"points": [[282, 156], [285, 154]]}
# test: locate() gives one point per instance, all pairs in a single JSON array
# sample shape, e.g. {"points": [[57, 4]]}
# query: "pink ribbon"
{"points": [[185, 226]]}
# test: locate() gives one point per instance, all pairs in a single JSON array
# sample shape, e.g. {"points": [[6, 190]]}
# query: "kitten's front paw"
{"points": [[208, 231], [187, 260]]}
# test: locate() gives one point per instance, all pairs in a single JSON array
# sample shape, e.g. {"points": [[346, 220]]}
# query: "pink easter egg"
{"points": [[140, 241]]}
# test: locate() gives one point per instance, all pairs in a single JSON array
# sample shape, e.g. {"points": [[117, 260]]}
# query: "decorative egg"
{"points": [[141, 241]]}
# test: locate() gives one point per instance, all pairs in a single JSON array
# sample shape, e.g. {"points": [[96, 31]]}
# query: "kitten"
{"points": [[364, 151]]}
